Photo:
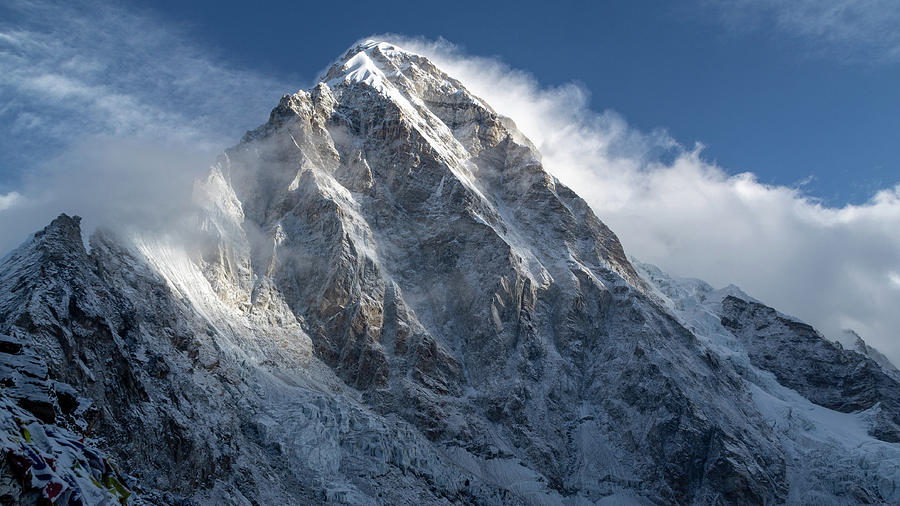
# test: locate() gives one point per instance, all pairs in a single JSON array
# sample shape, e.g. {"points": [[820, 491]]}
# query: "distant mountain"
{"points": [[860, 346], [382, 297]]}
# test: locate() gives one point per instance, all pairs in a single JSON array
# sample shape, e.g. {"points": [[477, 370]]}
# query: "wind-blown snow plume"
{"points": [[390, 301], [111, 122], [832, 266], [129, 130]]}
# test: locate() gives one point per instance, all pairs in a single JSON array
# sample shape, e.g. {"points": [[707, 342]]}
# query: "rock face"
{"points": [[861, 347], [383, 297], [818, 369], [41, 422], [832, 411]]}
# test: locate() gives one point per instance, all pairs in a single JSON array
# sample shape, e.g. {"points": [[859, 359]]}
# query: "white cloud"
{"points": [[109, 181], [9, 199], [671, 207], [109, 113], [857, 30], [138, 109], [894, 279]]}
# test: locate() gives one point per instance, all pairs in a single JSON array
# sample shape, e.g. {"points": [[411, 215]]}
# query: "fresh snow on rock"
{"points": [[834, 460], [382, 297]]}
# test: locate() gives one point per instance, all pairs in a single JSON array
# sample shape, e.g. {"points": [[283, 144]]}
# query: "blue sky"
{"points": [[752, 142], [761, 97], [762, 92]]}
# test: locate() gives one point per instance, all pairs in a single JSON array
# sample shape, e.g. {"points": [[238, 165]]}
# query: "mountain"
{"points": [[861, 347], [383, 297]]}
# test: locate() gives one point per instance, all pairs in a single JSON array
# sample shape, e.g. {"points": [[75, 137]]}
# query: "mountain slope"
{"points": [[831, 410], [861, 347], [384, 297], [493, 320]]}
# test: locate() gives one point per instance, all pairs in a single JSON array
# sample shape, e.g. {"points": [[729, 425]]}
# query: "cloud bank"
{"points": [[116, 122], [835, 267], [110, 113]]}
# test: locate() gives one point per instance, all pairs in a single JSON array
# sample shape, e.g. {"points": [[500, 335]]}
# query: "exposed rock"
{"points": [[384, 298], [819, 369], [834, 459], [860, 346]]}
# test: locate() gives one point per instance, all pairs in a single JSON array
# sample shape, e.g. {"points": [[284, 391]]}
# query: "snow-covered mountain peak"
{"points": [[385, 121], [367, 62], [358, 68], [372, 59], [386, 299], [408, 79]]}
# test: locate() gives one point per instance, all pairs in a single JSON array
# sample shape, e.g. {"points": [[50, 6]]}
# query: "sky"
{"points": [[752, 80], [754, 142]]}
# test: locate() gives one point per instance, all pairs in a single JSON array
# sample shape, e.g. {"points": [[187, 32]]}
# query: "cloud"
{"points": [[108, 181], [110, 112], [8, 200], [894, 278], [832, 266], [104, 69], [852, 30], [114, 123]]}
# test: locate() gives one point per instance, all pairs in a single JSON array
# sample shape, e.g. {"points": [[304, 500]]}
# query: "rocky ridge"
{"points": [[385, 298]]}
